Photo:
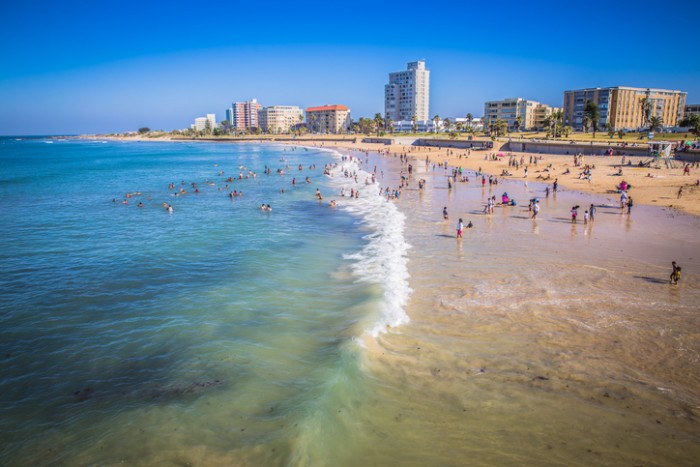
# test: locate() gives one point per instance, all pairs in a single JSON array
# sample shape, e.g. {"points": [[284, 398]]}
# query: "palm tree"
{"points": [[436, 119], [414, 120], [592, 112], [645, 104], [448, 124], [518, 122], [586, 123], [655, 123], [470, 119], [390, 125], [459, 126], [692, 122], [379, 122]]}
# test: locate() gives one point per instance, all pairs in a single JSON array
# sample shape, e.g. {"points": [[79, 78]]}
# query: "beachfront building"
{"points": [[201, 123], [328, 119], [477, 123], [518, 113], [691, 109], [623, 108], [408, 94], [279, 118], [422, 126], [243, 116]]}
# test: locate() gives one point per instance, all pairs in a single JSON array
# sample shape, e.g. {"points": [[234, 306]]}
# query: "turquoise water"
{"points": [[216, 333]]}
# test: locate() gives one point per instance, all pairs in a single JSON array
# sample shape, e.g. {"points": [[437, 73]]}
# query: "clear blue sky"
{"points": [[71, 67]]}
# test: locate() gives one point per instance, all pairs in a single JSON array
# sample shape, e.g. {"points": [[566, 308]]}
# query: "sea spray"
{"points": [[384, 259]]}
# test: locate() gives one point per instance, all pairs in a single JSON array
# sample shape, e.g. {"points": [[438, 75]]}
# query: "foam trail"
{"points": [[384, 259]]}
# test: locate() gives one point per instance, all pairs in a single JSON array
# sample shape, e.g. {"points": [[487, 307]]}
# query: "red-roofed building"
{"points": [[333, 119]]}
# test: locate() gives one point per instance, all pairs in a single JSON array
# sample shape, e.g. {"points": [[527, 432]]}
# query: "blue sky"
{"points": [[75, 67]]}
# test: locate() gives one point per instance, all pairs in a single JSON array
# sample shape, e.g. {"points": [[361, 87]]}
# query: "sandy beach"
{"points": [[654, 186], [541, 339]]}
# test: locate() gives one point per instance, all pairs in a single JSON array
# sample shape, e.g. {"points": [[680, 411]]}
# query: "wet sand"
{"points": [[538, 341]]}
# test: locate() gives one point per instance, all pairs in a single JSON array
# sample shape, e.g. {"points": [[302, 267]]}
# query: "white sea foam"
{"points": [[384, 259]]}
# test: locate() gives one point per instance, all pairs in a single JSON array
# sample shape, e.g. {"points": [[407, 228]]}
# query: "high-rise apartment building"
{"points": [[328, 119], [244, 115], [408, 93], [201, 123], [529, 114], [279, 118], [623, 107]]}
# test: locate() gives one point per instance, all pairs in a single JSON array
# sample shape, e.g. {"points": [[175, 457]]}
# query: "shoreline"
{"points": [[652, 186]]}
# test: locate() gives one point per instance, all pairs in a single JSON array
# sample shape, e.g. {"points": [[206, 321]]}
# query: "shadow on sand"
{"points": [[653, 280]]}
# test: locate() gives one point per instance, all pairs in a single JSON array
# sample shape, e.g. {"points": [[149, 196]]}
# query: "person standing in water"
{"points": [[460, 228], [676, 273], [444, 213]]}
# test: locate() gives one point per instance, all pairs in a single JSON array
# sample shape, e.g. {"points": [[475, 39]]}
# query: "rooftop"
{"points": [[324, 108]]}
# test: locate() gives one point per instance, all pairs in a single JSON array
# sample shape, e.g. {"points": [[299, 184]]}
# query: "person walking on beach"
{"points": [[460, 228], [535, 209], [555, 185], [444, 213], [680, 192], [676, 273], [574, 213], [629, 205], [591, 212]]}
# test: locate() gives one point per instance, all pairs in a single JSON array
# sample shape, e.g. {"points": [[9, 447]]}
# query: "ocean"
{"points": [[131, 334], [361, 334]]}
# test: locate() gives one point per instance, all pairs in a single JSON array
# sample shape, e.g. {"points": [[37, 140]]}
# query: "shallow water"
{"points": [[216, 334]]}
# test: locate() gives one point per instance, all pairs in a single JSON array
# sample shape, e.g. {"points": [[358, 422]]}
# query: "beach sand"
{"points": [[655, 186], [538, 341]]}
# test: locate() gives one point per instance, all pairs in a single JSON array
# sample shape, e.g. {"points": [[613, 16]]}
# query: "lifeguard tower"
{"points": [[662, 150]]}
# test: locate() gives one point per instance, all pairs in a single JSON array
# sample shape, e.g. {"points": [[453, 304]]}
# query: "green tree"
{"points": [[379, 122], [436, 120], [620, 133], [645, 108], [144, 130], [591, 111], [517, 123], [692, 122], [207, 127], [611, 131], [655, 123], [448, 124], [470, 119], [586, 123]]}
